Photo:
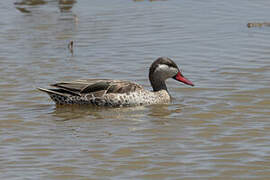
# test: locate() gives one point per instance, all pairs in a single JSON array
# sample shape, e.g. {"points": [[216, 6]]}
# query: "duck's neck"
{"points": [[157, 83]]}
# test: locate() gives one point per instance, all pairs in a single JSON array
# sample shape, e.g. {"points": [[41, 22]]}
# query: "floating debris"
{"points": [[70, 47], [24, 5], [66, 2], [23, 10], [66, 5], [249, 25], [30, 2], [157, 0]]}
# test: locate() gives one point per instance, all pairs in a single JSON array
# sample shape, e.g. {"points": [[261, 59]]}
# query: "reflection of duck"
{"points": [[115, 93], [83, 112]]}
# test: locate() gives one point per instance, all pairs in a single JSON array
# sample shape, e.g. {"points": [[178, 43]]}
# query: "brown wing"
{"points": [[123, 87], [79, 85], [98, 86]]}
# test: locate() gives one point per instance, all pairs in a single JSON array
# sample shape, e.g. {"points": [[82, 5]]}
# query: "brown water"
{"points": [[219, 129]]}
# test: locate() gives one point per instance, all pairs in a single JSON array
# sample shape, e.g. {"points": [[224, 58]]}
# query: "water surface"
{"points": [[218, 129]]}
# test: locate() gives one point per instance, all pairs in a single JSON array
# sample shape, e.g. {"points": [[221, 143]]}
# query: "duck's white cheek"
{"points": [[165, 71], [172, 72], [163, 68]]}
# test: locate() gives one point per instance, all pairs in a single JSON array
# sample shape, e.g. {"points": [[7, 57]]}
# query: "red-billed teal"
{"points": [[118, 93]]}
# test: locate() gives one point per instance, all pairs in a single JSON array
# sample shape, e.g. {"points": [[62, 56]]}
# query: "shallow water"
{"points": [[218, 129]]}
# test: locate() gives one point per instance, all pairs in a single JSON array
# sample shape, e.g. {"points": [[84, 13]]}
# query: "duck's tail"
{"points": [[57, 96]]}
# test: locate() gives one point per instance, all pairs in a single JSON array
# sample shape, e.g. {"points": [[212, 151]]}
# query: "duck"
{"points": [[119, 93]]}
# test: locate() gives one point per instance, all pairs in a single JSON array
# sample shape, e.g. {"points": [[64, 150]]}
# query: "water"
{"points": [[218, 129]]}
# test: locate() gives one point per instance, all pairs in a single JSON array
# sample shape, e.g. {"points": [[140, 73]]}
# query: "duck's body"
{"points": [[117, 93], [105, 92]]}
